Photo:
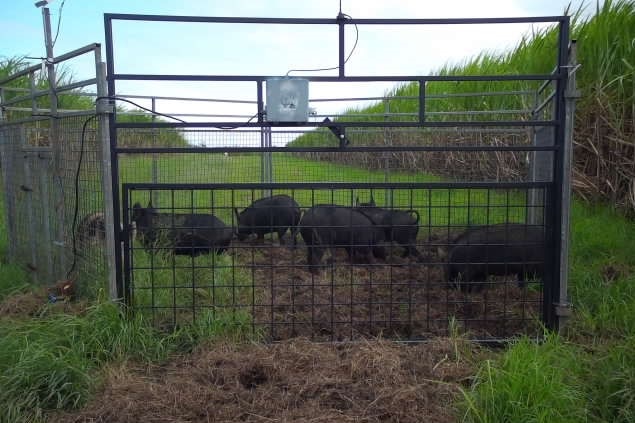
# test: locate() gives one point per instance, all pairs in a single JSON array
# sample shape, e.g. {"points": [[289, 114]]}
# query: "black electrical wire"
{"points": [[76, 207], [237, 126], [59, 21], [139, 106], [165, 115], [345, 60]]}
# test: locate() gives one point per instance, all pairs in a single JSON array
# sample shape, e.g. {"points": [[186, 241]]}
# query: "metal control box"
{"points": [[287, 100]]}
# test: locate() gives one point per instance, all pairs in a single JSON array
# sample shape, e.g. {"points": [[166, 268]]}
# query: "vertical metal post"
{"points": [[267, 160], [6, 166], [387, 141], [112, 249], [554, 264], [563, 308], [47, 205], [114, 160], [58, 168], [422, 101], [530, 209], [28, 188], [155, 165], [341, 59]]}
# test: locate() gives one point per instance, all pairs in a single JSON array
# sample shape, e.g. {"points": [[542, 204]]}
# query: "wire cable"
{"points": [[76, 207], [166, 115], [139, 106], [347, 57], [59, 21]]}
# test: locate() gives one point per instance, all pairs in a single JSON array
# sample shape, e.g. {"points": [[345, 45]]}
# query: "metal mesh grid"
{"points": [[275, 287], [39, 182]]}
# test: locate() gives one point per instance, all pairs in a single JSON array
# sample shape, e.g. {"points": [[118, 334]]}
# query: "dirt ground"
{"points": [[291, 381], [400, 298]]}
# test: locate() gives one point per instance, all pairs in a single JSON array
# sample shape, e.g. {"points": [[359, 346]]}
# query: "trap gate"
{"points": [[486, 188]]}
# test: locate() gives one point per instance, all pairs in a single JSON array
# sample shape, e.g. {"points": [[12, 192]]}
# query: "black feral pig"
{"points": [[277, 213], [185, 234], [503, 249], [399, 226], [331, 226]]}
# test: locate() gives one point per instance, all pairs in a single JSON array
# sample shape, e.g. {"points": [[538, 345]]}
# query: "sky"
{"points": [[178, 48]]}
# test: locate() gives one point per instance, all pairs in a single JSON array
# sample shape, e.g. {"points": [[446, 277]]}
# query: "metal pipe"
{"points": [[333, 186], [235, 125], [359, 78], [349, 149], [317, 21]]}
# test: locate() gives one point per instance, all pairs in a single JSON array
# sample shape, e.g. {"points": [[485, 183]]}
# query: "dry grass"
{"points": [[370, 381]]}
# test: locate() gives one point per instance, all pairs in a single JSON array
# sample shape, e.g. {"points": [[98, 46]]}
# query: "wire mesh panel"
{"points": [[55, 213], [435, 206], [339, 263]]}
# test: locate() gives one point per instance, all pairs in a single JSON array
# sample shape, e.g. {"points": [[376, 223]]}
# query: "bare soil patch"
{"points": [[400, 298], [292, 381]]}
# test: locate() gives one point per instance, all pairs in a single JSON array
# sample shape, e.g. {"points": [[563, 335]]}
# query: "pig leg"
{"points": [[314, 256], [281, 232]]}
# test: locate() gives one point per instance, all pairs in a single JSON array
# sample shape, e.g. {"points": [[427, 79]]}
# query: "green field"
{"points": [[436, 206]]}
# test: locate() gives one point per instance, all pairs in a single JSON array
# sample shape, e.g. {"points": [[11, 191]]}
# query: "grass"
{"points": [[53, 362], [603, 131], [199, 289], [527, 384], [588, 373]]}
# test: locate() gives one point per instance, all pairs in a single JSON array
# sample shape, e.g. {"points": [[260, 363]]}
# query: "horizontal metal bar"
{"points": [[317, 100], [452, 113], [20, 74], [428, 96], [77, 52], [30, 110], [56, 60], [456, 21], [150, 97], [24, 120], [134, 186], [74, 85], [21, 90], [318, 21], [392, 78], [46, 113], [21, 98], [231, 125], [371, 149], [44, 93], [275, 131], [131, 113]]}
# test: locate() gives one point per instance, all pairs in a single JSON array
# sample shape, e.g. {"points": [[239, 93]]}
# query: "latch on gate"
{"points": [[339, 132]]}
